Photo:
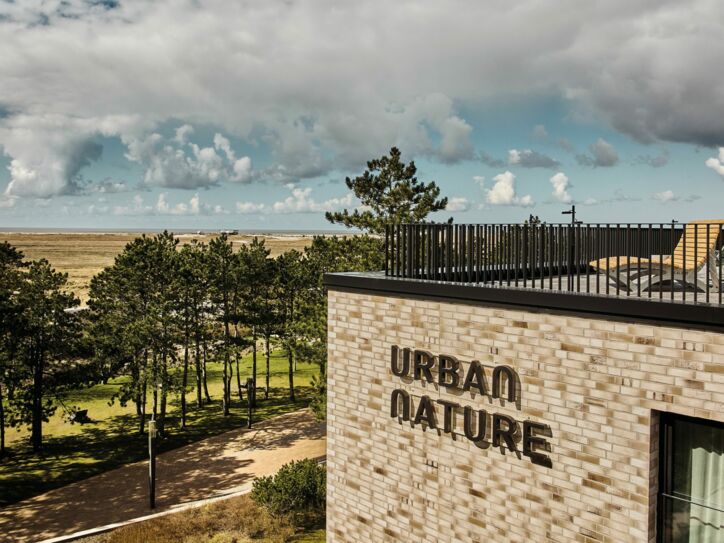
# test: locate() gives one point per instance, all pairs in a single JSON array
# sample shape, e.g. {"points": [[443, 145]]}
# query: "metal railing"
{"points": [[669, 261]]}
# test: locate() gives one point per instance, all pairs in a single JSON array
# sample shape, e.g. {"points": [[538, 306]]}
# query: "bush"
{"points": [[298, 487]]}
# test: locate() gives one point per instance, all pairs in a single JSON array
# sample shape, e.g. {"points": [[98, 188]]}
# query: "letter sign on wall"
{"points": [[448, 372]]}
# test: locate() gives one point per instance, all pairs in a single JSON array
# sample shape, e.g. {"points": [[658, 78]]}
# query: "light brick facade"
{"points": [[597, 383]]}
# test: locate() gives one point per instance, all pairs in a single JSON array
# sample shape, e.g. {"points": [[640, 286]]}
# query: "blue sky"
{"points": [[216, 115]]}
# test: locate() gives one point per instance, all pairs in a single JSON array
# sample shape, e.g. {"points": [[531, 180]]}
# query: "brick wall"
{"points": [[596, 383]]}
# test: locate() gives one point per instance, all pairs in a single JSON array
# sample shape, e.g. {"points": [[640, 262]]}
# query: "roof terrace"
{"points": [[658, 272]]}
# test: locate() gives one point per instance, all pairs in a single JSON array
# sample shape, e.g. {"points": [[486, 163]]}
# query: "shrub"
{"points": [[298, 487]]}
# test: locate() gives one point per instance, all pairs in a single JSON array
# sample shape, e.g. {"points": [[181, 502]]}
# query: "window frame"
{"points": [[666, 464]]}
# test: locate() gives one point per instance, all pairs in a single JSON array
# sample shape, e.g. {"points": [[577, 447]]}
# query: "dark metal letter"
{"points": [[475, 378], [507, 434], [398, 394], [449, 414], [510, 378], [531, 442], [426, 412], [395, 361], [424, 362], [469, 416], [448, 366]]}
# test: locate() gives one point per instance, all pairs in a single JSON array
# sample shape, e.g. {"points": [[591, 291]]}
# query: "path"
{"points": [[214, 466]]}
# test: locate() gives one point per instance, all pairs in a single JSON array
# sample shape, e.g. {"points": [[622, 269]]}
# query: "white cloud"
{"points": [[658, 161], [182, 134], [179, 163], [503, 192], [300, 77], [455, 144], [299, 201], [109, 186], [717, 164], [480, 180], [560, 188], [667, 196], [528, 158], [539, 132], [601, 155], [194, 206], [249, 208], [458, 203]]}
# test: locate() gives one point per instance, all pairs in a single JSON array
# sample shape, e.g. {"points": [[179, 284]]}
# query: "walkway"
{"points": [[212, 467]]}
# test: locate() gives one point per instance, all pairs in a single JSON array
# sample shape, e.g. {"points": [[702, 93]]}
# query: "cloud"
{"points": [[503, 192], [566, 145], [179, 163], [657, 161], [458, 203], [527, 158], [109, 186], [717, 164], [250, 208], [480, 180], [47, 155], [326, 99], [194, 206], [602, 155], [491, 161], [299, 201], [539, 132], [560, 188], [455, 145], [667, 196]]}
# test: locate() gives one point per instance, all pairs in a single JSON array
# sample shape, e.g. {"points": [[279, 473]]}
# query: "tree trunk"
{"points": [[253, 363], [36, 437], [291, 373], [238, 373], [155, 387], [185, 380], [142, 418], [268, 369], [206, 384], [198, 366], [164, 393], [2, 424]]}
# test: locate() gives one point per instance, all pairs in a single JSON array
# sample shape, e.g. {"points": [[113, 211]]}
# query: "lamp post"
{"points": [[251, 398], [152, 433], [571, 242]]}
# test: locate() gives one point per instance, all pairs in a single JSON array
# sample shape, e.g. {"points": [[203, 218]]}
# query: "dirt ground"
{"points": [[82, 255], [216, 466]]}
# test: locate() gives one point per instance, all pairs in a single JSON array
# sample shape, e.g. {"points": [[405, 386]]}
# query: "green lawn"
{"points": [[72, 451]]}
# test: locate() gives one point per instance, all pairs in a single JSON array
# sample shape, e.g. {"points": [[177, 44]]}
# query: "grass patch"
{"points": [[74, 452], [236, 520]]}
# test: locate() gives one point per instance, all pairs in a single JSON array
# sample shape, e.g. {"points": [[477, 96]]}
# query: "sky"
{"points": [[249, 115]]}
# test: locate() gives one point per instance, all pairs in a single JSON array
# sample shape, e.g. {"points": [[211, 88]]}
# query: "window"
{"points": [[691, 489]]}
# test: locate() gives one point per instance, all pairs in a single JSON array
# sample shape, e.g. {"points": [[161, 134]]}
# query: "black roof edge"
{"points": [[631, 310]]}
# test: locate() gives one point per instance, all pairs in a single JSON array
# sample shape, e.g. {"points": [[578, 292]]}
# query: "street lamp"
{"points": [[152, 434]]}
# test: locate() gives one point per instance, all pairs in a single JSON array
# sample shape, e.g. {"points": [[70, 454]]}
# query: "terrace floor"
{"points": [[602, 285]]}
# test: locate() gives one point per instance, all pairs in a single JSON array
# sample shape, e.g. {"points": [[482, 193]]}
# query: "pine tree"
{"points": [[11, 261], [390, 193], [288, 281], [221, 266], [46, 333]]}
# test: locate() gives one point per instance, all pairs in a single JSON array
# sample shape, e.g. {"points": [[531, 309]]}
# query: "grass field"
{"points": [[72, 451], [236, 520], [82, 255]]}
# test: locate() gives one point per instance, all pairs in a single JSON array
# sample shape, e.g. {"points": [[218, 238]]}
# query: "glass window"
{"points": [[691, 489]]}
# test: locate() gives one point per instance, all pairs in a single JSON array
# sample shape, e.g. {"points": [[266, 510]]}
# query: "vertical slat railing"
{"points": [[632, 260]]}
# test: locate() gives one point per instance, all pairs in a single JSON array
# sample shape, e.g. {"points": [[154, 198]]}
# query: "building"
{"points": [[520, 383]]}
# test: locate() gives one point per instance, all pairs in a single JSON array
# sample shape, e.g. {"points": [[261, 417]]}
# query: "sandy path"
{"points": [[208, 468]]}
